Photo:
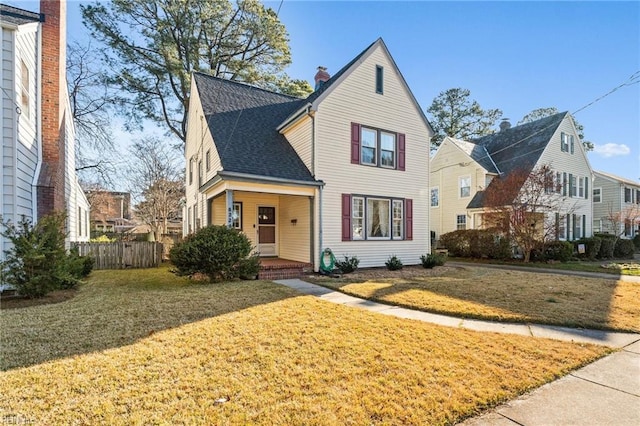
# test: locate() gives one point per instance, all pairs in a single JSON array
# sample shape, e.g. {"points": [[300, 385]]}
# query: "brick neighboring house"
{"points": [[110, 211], [615, 195], [38, 136], [462, 170]]}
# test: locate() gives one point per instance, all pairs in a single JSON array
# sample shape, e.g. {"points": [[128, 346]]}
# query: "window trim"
{"points": [[375, 147], [406, 205], [399, 147], [239, 218], [593, 195], [207, 160], [458, 216]]}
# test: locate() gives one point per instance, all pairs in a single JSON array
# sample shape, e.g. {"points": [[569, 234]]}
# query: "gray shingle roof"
{"points": [[518, 148], [17, 16], [242, 120], [477, 152]]}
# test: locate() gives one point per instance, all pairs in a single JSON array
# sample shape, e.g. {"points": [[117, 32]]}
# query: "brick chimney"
{"points": [[505, 124], [51, 190], [322, 76]]}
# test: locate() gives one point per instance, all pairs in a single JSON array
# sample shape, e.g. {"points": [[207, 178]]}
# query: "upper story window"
{"points": [[24, 96], [379, 79], [637, 196], [207, 160], [435, 196], [628, 195], [566, 142], [465, 186], [581, 182], [376, 147], [597, 195], [190, 171], [199, 173]]}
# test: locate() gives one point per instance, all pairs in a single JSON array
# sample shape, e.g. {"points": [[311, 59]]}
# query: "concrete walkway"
{"points": [[606, 392]]}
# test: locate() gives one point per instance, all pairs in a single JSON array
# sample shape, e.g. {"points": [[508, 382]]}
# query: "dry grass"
{"points": [[148, 348], [500, 295]]}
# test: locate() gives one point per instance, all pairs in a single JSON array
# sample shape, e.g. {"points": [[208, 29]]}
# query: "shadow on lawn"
{"points": [[118, 308], [510, 296]]}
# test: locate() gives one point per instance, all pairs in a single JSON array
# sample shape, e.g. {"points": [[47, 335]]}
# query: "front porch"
{"points": [[274, 268]]}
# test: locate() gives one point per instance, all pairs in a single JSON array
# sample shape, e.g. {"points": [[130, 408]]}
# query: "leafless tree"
{"points": [[156, 177], [523, 205], [620, 219]]}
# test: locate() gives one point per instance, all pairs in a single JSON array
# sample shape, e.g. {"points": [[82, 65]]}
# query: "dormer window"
{"points": [[379, 79]]}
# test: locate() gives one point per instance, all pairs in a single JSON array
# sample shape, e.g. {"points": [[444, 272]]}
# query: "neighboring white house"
{"points": [[619, 198], [462, 170], [38, 145], [347, 168]]}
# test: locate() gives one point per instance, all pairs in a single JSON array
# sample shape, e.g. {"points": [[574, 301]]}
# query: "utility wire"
{"points": [[633, 79]]}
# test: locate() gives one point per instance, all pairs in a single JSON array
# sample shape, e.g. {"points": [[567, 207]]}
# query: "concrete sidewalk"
{"points": [[606, 392]]}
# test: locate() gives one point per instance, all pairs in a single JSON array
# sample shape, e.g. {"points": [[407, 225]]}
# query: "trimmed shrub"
{"points": [[561, 251], [476, 243], [38, 263], [218, 252], [348, 265], [624, 249], [456, 243], [558, 250], [430, 260], [393, 263], [607, 245], [636, 242], [592, 247]]}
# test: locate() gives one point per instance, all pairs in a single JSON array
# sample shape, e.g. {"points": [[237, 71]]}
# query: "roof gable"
{"points": [[520, 147], [615, 178], [16, 16], [316, 97], [242, 120], [477, 153]]}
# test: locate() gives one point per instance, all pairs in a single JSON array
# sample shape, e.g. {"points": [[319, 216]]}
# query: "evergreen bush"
{"points": [[592, 247], [607, 246], [348, 265], [393, 263], [218, 252], [430, 260], [624, 249]]}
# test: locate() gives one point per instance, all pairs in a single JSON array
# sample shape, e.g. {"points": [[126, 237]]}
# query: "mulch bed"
{"points": [[9, 300]]}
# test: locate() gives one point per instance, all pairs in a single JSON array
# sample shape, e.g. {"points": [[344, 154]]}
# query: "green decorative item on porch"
{"points": [[324, 268]]}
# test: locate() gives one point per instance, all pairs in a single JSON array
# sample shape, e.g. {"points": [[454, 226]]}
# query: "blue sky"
{"points": [[516, 56]]}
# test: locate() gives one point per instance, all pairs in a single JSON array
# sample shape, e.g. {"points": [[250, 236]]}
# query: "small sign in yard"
{"points": [[581, 249]]}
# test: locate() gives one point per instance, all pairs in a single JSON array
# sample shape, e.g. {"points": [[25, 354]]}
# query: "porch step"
{"points": [[283, 270]]}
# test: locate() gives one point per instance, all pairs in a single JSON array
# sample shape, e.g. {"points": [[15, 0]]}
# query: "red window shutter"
{"points": [[408, 219], [346, 217], [401, 150], [355, 143]]}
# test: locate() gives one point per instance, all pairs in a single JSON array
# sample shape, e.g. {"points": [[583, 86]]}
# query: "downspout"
{"points": [[38, 86], [319, 224]]}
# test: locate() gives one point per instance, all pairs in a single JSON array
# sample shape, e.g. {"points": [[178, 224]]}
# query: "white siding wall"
{"points": [[198, 142], [355, 100], [19, 138], [576, 164], [446, 172], [300, 136]]}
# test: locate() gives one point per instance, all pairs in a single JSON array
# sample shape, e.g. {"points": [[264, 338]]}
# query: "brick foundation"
{"points": [[282, 270]]}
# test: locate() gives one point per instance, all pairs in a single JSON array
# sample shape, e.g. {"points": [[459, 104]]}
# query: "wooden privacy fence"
{"points": [[122, 255]]}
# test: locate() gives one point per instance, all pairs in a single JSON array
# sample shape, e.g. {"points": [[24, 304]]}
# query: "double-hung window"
{"points": [[628, 195], [376, 147], [461, 222], [581, 187], [465, 186], [376, 218], [597, 195], [369, 146], [566, 143], [435, 196]]}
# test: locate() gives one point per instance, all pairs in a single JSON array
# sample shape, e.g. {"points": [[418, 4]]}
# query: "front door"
{"points": [[267, 231]]}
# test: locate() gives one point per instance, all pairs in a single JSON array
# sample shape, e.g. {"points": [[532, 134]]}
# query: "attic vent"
{"points": [[322, 76], [505, 124]]}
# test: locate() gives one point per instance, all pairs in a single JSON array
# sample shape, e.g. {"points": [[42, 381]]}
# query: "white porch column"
{"points": [[229, 193]]}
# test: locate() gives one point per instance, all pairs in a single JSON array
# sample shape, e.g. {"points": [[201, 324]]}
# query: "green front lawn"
{"points": [[145, 347]]}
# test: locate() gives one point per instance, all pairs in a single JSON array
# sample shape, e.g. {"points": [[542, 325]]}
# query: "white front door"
{"points": [[267, 245]]}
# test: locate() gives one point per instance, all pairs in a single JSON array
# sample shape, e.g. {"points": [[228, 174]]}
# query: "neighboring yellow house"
{"points": [[462, 170], [347, 168]]}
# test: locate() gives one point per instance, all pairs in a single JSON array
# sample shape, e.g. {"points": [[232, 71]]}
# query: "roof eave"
{"points": [[223, 175]]}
